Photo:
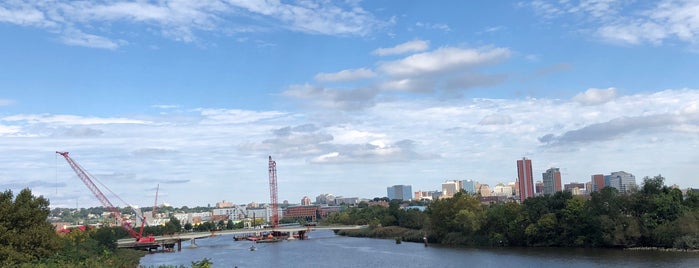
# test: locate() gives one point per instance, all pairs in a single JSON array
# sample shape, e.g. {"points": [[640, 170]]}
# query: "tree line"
{"points": [[653, 216]]}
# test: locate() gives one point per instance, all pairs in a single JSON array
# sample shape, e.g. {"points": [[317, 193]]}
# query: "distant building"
{"points": [[265, 212], [310, 213], [449, 188], [597, 183], [232, 213], [572, 185], [468, 186], [525, 178], [539, 186], [622, 181], [420, 195], [307, 213], [399, 192], [484, 190], [305, 201], [324, 199], [502, 190], [552, 181], [346, 200], [224, 204]]}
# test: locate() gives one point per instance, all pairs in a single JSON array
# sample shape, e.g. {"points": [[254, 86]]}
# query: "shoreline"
{"points": [[410, 235]]}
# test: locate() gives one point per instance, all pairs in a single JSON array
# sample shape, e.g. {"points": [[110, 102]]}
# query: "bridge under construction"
{"points": [[169, 242]]}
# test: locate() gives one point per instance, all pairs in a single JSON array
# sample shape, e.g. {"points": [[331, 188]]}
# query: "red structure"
{"points": [[597, 182], [86, 178], [273, 192], [525, 179]]}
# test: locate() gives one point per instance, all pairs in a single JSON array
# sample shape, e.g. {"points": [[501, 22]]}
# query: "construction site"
{"points": [[259, 224]]}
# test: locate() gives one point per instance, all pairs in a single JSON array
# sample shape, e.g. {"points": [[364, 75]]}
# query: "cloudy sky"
{"points": [[348, 97]]}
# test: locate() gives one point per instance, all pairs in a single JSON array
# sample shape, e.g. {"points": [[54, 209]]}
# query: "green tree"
{"points": [[456, 219], [188, 226], [25, 234]]}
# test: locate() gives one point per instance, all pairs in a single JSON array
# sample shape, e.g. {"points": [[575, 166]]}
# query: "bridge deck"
{"points": [[171, 239]]}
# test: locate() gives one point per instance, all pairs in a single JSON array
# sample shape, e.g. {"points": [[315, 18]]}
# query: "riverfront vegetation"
{"points": [[28, 240], [653, 216]]}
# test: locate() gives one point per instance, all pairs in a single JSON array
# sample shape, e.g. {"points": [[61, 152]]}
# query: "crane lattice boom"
{"points": [[86, 178], [273, 192]]}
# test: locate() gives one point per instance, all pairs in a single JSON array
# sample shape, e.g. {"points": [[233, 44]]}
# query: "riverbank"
{"points": [[389, 232], [412, 235]]}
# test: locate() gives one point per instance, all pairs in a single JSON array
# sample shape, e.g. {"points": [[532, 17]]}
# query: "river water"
{"points": [[325, 249]]}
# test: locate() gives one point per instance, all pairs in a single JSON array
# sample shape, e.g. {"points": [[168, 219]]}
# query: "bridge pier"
{"points": [[192, 243], [302, 235], [179, 245]]}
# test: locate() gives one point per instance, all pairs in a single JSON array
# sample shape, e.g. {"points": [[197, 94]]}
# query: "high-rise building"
{"points": [[539, 188], [622, 181], [449, 188], [469, 186], [597, 183], [552, 181], [325, 199], [525, 178], [305, 201], [400, 192]]}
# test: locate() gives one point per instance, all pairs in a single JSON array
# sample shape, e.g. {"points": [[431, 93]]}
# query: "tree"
{"points": [[25, 235], [188, 226]]}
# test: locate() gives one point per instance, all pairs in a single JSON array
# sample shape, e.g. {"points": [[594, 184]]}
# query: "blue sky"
{"points": [[348, 96]]}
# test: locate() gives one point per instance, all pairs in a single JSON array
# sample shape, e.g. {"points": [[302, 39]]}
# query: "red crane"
{"points": [[273, 192], [87, 179]]}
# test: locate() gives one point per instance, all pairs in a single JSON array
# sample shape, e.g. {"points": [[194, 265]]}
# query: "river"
{"points": [[325, 249]]}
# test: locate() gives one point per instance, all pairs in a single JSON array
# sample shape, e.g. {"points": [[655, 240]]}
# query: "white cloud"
{"points": [[656, 23], [69, 119], [434, 26], [6, 102], [90, 23], [447, 71], [419, 142], [236, 116], [345, 75], [595, 96], [443, 60], [407, 47], [496, 119], [78, 38]]}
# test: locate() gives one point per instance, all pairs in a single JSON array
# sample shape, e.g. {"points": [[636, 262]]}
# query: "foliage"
{"points": [[25, 235], [653, 216]]}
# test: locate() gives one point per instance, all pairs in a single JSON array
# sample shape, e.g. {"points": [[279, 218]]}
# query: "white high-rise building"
{"points": [[622, 181]]}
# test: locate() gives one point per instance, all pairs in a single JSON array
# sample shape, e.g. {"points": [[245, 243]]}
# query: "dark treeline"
{"points": [[653, 216]]}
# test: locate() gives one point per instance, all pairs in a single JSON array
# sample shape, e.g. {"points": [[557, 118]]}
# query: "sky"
{"points": [[348, 97]]}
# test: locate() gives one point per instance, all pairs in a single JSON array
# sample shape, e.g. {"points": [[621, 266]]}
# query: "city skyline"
{"points": [[348, 97]]}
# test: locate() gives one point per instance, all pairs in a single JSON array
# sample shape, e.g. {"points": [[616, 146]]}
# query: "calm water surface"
{"points": [[324, 249]]}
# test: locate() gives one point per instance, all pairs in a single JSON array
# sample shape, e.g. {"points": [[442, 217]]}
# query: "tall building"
{"points": [[525, 178], [469, 186], [325, 199], [501, 189], [552, 181], [539, 188], [622, 181], [305, 201], [400, 192], [449, 188], [484, 190], [597, 183]]}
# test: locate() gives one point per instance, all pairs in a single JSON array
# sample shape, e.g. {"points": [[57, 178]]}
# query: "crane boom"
{"points": [[86, 178], [273, 192], [155, 206]]}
